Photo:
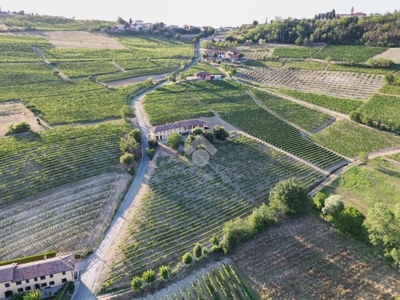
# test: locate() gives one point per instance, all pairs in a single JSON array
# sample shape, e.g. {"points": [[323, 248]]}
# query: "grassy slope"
{"points": [[349, 53], [295, 52], [386, 108]]}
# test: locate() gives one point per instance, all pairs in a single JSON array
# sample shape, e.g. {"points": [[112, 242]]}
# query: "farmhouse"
{"points": [[352, 14], [207, 76], [224, 55], [161, 132], [47, 275]]}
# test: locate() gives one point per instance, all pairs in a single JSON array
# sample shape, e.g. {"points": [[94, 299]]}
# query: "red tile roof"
{"points": [[191, 122]]}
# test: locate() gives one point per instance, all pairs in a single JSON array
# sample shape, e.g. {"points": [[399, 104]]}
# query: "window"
{"points": [[7, 285], [18, 283], [44, 284], [37, 286], [27, 281], [28, 288], [64, 280], [63, 272], [35, 279], [42, 277], [51, 283], [20, 290], [51, 276]]}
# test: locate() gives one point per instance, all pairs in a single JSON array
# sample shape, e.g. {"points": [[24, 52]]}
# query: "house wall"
{"points": [[162, 135], [57, 279]]}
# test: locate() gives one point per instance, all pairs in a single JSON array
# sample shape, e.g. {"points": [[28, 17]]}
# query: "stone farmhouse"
{"points": [[47, 275], [162, 132], [207, 76], [224, 55]]}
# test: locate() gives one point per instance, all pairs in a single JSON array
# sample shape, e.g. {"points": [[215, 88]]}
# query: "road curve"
{"points": [[90, 266]]}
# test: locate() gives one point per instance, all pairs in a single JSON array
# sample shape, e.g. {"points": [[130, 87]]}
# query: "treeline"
{"points": [[374, 30]]}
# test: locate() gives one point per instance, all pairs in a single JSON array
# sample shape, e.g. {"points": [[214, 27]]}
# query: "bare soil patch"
{"points": [[393, 54], [305, 259], [13, 112]]}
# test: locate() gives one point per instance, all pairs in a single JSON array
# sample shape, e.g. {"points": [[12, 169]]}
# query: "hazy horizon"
{"points": [[179, 12]]}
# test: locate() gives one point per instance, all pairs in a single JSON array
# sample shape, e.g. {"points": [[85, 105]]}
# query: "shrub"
{"points": [[197, 131], [235, 232], [164, 272], [137, 135], [209, 135], [319, 200], [149, 276], [150, 153], [220, 133], [197, 251], [261, 218], [214, 240], [127, 112], [333, 205], [350, 220], [153, 143], [131, 171], [187, 258], [18, 128], [127, 159], [175, 140], [136, 283]]}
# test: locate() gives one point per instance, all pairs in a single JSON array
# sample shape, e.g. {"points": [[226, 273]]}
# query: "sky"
{"points": [[198, 13]]}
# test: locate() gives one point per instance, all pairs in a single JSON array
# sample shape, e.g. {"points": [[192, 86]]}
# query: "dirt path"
{"points": [[117, 66], [50, 65], [383, 152]]}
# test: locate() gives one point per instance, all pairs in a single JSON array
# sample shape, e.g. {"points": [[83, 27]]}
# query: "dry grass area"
{"points": [[13, 112], [392, 54], [305, 259]]}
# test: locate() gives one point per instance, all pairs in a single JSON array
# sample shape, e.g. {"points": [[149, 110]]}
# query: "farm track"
{"points": [[48, 63], [117, 66]]}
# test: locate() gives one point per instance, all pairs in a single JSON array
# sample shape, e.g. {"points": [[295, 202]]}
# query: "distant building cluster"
{"points": [[352, 14]]}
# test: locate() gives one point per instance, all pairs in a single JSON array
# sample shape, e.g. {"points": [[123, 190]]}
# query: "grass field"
{"points": [[39, 161], [306, 65], [395, 157], [299, 115], [79, 69], [295, 52], [363, 186], [305, 259], [180, 210], [334, 103], [349, 53], [350, 139], [19, 48]]}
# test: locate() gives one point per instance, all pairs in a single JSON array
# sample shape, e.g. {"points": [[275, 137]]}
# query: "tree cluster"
{"points": [[18, 128]]}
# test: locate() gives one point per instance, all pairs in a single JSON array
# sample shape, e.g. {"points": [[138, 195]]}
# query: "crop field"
{"points": [[163, 69], [395, 157], [221, 282], [157, 47], [180, 210], [39, 161], [356, 69], [337, 84], [129, 64], [56, 55], [263, 63], [349, 53], [19, 48], [295, 52], [390, 89], [202, 67], [172, 103], [384, 108], [80, 69], [305, 259], [350, 139], [230, 101], [70, 219], [334, 103], [363, 186], [15, 75], [306, 65], [307, 118]]}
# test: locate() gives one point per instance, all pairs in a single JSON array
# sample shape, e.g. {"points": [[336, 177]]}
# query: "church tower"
{"points": [[352, 10]]}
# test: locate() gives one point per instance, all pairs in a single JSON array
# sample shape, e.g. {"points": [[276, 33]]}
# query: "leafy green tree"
{"points": [[127, 159], [149, 276], [18, 128], [197, 251], [153, 143], [187, 258], [128, 144], [136, 283], [32, 295], [164, 272], [255, 23], [289, 197], [390, 79], [214, 240], [150, 153], [197, 131], [351, 220], [261, 218], [172, 77], [383, 227], [333, 205], [149, 82], [181, 76], [235, 232], [127, 112], [175, 140], [220, 133], [319, 199], [137, 135], [209, 135]]}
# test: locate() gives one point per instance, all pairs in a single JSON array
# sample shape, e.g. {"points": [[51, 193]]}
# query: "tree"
{"points": [[167, 35], [333, 205], [351, 220], [174, 140], [121, 21], [299, 41], [149, 276], [289, 197], [164, 272], [127, 159], [181, 76], [390, 79], [127, 112], [128, 144], [32, 295], [136, 134], [172, 77], [197, 251], [18, 128], [383, 227], [197, 131], [214, 240], [363, 157], [319, 199], [153, 143], [130, 21], [187, 258], [261, 218], [209, 135], [220, 133], [255, 23], [149, 82], [136, 283], [150, 153]]}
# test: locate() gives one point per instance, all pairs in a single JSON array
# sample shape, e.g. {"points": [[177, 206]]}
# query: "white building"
{"points": [[47, 275], [162, 132]]}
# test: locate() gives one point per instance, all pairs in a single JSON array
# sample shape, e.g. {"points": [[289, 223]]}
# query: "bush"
{"points": [[137, 135], [209, 135], [221, 133], [261, 218], [175, 140], [131, 171], [216, 249], [149, 276], [164, 272], [197, 251], [350, 220], [197, 131], [127, 112], [127, 159], [18, 128], [214, 240], [235, 232], [319, 200], [136, 283], [187, 258], [150, 153], [333, 205], [153, 143]]}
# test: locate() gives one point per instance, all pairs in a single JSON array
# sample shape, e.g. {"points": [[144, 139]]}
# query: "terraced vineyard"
{"points": [[306, 65], [39, 161], [350, 139], [306, 118], [305, 259], [180, 209], [231, 102], [295, 52], [334, 103], [357, 69], [349, 53], [19, 74], [263, 63], [337, 84], [71, 220], [221, 282], [19, 48], [57, 55], [79, 69]]}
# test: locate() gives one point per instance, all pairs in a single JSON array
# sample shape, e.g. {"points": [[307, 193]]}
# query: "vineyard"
{"points": [[358, 69], [56, 55], [19, 48], [306, 65], [334, 103], [305, 259], [307, 118], [295, 52], [80, 69], [350, 139], [348, 53], [39, 161], [337, 84], [230, 101], [263, 63], [222, 282], [72, 218], [15, 75], [186, 204], [201, 67]]}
